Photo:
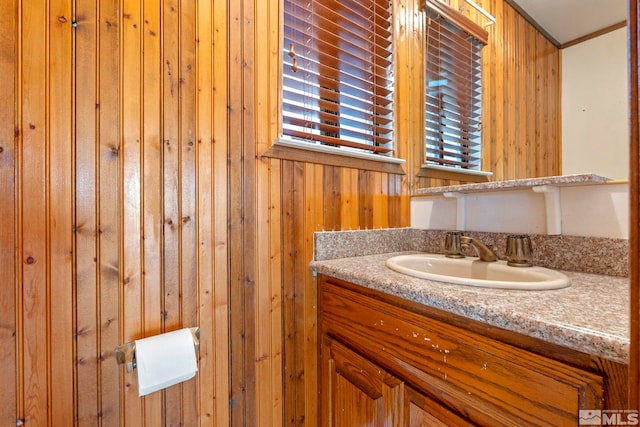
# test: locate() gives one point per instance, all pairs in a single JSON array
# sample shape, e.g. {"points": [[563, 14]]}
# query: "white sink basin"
{"points": [[473, 272]]}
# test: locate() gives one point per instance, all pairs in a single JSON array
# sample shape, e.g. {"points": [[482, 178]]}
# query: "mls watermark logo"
{"points": [[607, 417], [590, 417]]}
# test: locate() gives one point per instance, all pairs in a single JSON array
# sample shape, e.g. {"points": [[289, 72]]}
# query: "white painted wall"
{"points": [[591, 210], [595, 129]]}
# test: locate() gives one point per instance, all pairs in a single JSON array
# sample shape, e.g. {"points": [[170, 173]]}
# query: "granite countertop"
{"points": [[591, 316]]}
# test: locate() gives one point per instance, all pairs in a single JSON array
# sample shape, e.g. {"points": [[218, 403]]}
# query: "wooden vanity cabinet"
{"points": [[385, 361], [357, 392]]}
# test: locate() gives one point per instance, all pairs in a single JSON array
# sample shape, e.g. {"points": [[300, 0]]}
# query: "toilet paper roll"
{"points": [[164, 360]]}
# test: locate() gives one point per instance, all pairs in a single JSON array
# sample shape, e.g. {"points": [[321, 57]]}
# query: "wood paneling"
{"points": [[11, 373], [303, 197], [114, 201], [86, 244], [307, 197], [135, 201], [521, 98], [60, 199]]}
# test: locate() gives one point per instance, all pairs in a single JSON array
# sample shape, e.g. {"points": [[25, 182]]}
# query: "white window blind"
{"points": [[337, 76], [453, 88]]}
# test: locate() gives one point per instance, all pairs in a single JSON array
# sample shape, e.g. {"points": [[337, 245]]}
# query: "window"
{"points": [[453, 86], [338, 75]]}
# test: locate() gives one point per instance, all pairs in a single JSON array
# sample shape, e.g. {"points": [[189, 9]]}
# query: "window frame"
{"points": [[300, 151], [427, 170]]}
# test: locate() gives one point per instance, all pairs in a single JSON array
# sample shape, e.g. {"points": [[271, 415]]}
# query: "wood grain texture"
{"points": [[86, 244], [358, 392], [10, 375], [424, 411], [33, 222], [138, 202], [152, 189], [241, 187], [61, 213], [172, 150], [131, 193], [108, 205], [111, 238]]}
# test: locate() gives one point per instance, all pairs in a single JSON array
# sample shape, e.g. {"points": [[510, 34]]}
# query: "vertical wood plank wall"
{"points": [[134, 202], [11, 373], [521, 97], [113, 188]]}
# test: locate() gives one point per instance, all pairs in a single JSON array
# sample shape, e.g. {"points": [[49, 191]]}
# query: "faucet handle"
{"points": [[519, 251], [452, 245]]}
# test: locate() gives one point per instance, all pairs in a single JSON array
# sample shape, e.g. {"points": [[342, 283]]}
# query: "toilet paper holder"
{"points": [[126, 353]]}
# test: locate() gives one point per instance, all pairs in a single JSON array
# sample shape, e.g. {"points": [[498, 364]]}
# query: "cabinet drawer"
{"points": [[484, 380]]}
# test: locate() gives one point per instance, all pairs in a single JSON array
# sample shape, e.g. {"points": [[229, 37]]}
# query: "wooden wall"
{"points": [[133, 203], [134, 200], [115, 204], [521, 98]]}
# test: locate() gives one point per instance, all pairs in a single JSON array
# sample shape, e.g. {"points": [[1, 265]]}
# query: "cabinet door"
{"points": [[487, 382], [355, 392], [422, 411]]}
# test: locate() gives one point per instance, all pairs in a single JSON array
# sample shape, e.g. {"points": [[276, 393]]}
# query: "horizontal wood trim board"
{"points": [[595, 34]]}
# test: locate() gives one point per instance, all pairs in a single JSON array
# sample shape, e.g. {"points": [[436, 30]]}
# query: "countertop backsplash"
{"points": [[596, 255]]}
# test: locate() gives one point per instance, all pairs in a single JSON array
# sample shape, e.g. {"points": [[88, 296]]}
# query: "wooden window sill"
{"points": [[302, 152]]}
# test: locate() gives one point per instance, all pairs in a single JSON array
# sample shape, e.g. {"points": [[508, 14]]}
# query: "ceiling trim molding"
{"points": [[595, 34]]}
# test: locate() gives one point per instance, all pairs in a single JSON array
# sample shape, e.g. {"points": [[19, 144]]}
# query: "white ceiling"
{"points": [[567, 20]]}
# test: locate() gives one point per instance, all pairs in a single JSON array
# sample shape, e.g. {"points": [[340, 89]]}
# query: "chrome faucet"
{"points": [[484, 252]]}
